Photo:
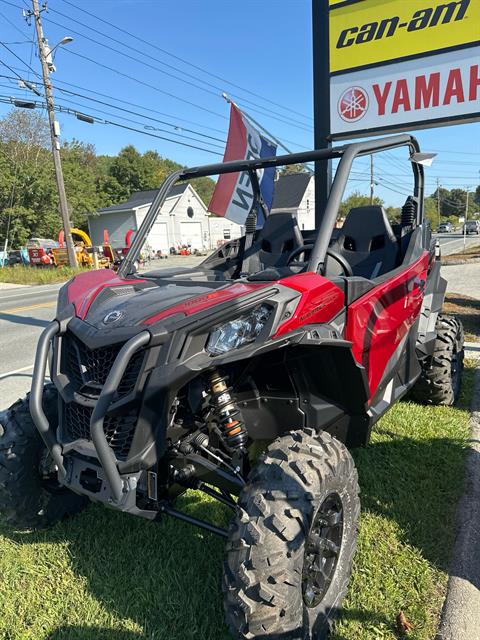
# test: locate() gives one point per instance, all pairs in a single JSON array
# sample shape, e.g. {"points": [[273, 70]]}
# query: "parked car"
{"points": [[15, 257], [445, 227], [471, 226]]}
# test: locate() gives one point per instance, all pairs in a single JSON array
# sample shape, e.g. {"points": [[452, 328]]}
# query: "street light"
{"points": [[65, 40], [49, 51]]}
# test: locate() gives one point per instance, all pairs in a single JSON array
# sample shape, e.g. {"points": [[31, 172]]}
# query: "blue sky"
{"points": [[264, 47]]}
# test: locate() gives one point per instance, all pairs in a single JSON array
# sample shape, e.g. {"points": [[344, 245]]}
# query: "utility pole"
{"points": [[438, 199], [44, 54], [465, 223], [372, 182]]}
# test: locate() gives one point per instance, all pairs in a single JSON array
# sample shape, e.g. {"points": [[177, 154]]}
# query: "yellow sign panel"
{"points": [[369, 32]]}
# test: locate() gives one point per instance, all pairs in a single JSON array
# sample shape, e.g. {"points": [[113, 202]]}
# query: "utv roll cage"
{"points": [[346, 153]]}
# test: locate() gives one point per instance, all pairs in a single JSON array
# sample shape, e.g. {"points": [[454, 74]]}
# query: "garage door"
{"points": [[158, 237], [191, 234]]}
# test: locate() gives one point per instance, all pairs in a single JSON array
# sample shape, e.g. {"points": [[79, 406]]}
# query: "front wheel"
{"points": [[291, 545], [30, 495]]}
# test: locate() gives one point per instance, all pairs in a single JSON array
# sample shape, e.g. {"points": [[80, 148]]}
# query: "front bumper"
{"points": [[104, 482]]}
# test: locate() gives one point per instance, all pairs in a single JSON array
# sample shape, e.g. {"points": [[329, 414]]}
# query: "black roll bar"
{"points": [[346, 153]]}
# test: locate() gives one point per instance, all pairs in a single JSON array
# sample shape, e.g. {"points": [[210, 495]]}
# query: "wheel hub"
{"points": [[322, 550]]}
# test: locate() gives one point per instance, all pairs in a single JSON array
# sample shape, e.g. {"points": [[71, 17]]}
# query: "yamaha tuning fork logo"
{"points": [[353, 104]]}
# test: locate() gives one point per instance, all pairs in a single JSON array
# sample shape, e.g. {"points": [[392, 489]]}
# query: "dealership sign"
{"points": [[402, 65]]}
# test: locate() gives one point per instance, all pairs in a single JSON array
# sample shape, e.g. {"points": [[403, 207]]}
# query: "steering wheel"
{"points": [[330, 252]]}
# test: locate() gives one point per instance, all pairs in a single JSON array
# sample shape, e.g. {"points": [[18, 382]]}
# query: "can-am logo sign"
{"points": [[399, 94], [369, 32]]}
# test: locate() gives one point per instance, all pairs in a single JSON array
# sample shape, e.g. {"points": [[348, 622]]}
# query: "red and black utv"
{"points": [[248, 377]]}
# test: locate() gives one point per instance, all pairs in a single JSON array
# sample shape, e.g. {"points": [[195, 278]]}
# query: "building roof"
{"points": [[290, 189], [143, 198]]}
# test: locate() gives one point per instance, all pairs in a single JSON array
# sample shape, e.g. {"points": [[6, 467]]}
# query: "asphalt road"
{"points": [[453, 242], [25, 311]]}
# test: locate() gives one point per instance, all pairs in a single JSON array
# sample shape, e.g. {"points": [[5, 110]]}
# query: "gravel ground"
{"points": [[463, 278]]}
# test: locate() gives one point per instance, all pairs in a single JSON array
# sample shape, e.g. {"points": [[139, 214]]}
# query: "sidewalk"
{"points": [[464, 279], [461, 610]]}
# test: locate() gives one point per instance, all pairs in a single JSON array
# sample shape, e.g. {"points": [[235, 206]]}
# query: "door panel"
{"points": [[377, 322]]}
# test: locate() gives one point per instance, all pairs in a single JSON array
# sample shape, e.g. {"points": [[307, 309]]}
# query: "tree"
{"points": [[204, 187], [356, 199], [430, 210], [293, 168], [476, 197], [453, 202]]}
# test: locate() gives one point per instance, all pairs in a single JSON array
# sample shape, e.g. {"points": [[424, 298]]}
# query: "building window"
{"points": [[190, 212], [226, 234]]}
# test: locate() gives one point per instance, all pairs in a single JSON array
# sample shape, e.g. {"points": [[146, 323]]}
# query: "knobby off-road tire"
{"points": [[441, 377], [30, 497], [298, 513]]}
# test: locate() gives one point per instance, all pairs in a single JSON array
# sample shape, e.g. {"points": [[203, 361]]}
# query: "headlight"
{"points": [[238, 332]]}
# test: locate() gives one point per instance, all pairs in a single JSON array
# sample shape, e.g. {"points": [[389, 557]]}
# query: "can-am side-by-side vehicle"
{"points": [[248, 378]]}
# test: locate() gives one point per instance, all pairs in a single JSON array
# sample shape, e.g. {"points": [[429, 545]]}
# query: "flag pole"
{"points": [[247, 115], [255, 122]]}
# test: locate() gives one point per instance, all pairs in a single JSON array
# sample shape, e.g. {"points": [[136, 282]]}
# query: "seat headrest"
{"points": [[280, 233], [366, 229]]}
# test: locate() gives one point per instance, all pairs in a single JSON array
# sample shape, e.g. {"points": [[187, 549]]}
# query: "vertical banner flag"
{"points": [[233, 195]]}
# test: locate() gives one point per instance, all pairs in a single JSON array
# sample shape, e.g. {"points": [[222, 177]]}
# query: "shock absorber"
{"points": [[229, 416]]}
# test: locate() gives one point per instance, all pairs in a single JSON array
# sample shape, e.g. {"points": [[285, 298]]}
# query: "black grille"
{"points": [[119, 430], [90, 367]]}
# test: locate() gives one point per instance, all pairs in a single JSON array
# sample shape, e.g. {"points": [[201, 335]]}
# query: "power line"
{"points": [[129, 102], [12, 24], [136, 113], [146, 127], [259, 109], [186, 62], [217, 92], [25, 82], [17, 57], [60, 109], [145, 84]]}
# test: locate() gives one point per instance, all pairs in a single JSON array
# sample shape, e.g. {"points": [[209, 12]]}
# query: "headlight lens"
{"points": [[238, 332]]}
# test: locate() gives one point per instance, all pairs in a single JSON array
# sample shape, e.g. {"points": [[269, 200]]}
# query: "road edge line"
{"points": [[460, 618]]}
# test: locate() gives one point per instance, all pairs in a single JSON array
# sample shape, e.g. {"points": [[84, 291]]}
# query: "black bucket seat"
{"points": [[366, 240]]}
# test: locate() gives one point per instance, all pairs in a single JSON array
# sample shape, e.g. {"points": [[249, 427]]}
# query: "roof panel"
{"points": [[290, 189], [142, 198]]}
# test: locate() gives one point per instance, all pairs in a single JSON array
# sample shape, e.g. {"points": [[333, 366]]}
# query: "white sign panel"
{"points": [[443, 88]]}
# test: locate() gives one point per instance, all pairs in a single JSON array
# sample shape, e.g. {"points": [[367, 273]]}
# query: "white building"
{"points": [[183, 220], [295, 192]]}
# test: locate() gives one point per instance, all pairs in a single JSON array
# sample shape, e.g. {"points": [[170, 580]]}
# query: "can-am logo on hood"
{"points": [[113, 316]]}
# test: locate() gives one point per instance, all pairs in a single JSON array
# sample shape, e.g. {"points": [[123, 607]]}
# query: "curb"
{"points": [[454, 263], [460, 618]]}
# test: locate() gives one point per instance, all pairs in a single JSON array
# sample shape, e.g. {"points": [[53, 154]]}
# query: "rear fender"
{"points": [[433, 300]]}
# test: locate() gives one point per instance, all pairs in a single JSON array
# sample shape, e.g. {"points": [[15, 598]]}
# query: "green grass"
{"points": [[107, 576], [466, 309], [37, 275]]}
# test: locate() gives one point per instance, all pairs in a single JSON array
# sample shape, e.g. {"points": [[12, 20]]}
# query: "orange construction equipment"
{"points": [[87, 256]]}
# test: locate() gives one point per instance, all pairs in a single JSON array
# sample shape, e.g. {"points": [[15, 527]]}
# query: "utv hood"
{"points": [[104, 300]]}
